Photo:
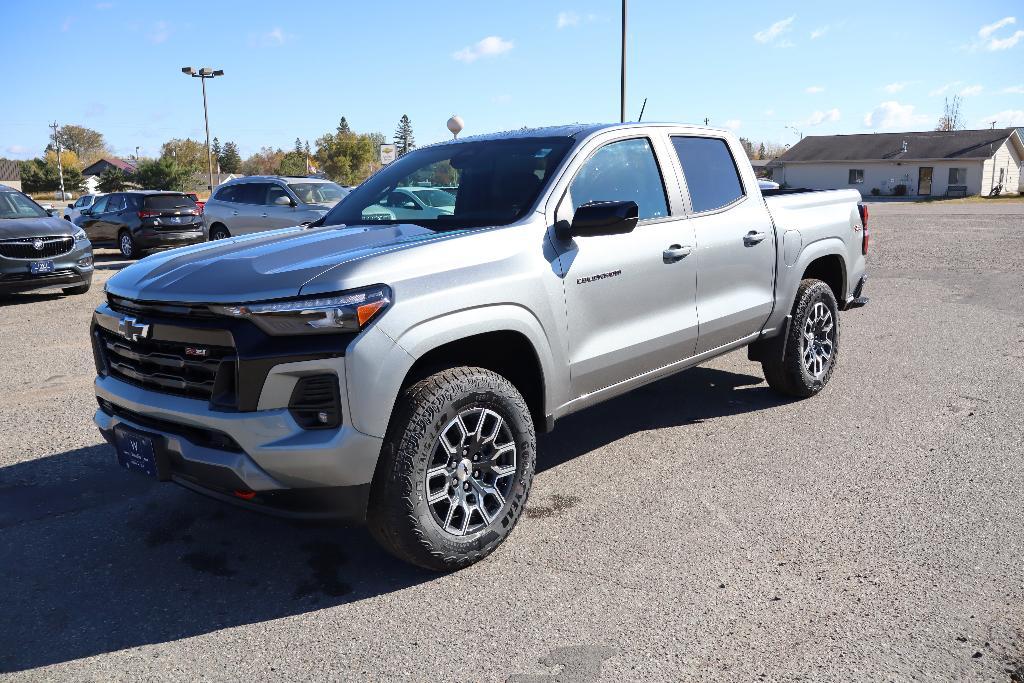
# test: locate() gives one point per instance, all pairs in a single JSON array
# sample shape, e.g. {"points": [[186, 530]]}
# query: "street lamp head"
{"points": [[206, 71], [218, 72], [187, 70]]}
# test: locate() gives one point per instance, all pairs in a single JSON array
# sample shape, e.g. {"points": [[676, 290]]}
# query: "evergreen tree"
{"points": [[298, 146], [404, 140], [112, 180], [215, 149], [230, 159], [343, 127], [307, 149], [760, 151]]}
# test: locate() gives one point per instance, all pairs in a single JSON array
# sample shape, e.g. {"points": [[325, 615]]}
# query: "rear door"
{"points": [[631, 307], [735, 241], [116, 216], [249, 212]]}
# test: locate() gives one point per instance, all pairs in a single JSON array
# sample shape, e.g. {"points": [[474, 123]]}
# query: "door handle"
{"points": [[676, 253], [753, 237], [234, 213], [263, 215]]}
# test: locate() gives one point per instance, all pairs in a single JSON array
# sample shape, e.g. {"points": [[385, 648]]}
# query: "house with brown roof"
{"points": [[97, 168], [922, 164]]}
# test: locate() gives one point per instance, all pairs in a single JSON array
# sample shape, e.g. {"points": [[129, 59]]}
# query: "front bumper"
{"points": [[68, 271], [261, 459]]}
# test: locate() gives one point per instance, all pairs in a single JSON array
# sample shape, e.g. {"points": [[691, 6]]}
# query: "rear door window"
{"points": [[115, 203], [251, 193], [101, 204], [169, 202], [226, 194], [710, 172], [622, 171]]}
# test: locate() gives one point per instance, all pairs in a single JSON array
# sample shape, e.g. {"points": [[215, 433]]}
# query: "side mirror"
{"points": [[51, 212], [71, 206], [600, 218], [284, 201], [409, 205], [85, 212]]}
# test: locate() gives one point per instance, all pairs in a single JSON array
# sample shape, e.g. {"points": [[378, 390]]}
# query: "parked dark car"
{"points": [[39, 251], [142, 220]]}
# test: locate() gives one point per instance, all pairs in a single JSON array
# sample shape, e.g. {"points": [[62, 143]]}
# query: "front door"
{"points": [[924, 180], [630, 306], [735, 244]]}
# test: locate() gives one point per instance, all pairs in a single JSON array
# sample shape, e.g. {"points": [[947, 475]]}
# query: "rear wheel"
{"points": [[455, 471], [126, 243], [219, 232], [801, 362]]}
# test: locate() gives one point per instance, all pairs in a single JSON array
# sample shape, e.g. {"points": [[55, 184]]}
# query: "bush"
{"points": [[875, 192], [900, 190]]}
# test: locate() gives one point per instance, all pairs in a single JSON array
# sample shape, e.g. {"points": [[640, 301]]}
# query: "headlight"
{"points": [[80, 235], [344, 312]]}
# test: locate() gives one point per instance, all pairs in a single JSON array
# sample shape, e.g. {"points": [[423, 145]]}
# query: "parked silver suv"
{"points": [[258, 203]]}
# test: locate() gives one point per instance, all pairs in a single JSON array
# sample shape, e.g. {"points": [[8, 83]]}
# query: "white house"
{"points": [[932, 163]]}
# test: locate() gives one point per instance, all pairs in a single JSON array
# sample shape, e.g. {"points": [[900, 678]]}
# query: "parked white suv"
{"points": [[74, 210], [256, 203]]}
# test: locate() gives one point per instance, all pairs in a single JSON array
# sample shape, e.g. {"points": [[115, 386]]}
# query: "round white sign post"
{"points": [[455, 125]]}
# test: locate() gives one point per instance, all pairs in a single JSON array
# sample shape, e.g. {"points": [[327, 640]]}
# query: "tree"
{"points": [[748, 147], [267, 161], [404, 139], [306, 148], [951, 118], [230, 160], [293, 163], [68, 159], [112, 180], [162, 174], [42, 175], [216, 150], [87, 144], [343, 126], [187, 153], [760, 151]]}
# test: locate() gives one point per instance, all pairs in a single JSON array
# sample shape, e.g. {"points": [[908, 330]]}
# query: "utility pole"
{"points": [[706, 120], [622, 71], [136, 154], [203, 74], [60, 164]]}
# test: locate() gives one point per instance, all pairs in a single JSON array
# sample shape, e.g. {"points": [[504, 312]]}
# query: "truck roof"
{"points": [[572, 130]]}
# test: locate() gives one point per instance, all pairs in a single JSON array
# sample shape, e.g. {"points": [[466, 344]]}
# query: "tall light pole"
{"points": [[622, 70], [203, 74], [60, 164]]}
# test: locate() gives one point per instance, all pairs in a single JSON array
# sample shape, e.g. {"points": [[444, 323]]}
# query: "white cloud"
{"points": [[895, 87], [892, 115], [769, 34], [1013, 90], [769, 112], [820, 117], [988, 30], [1004, 119], [942, 90], [820, 31], [1005, 43], [160, 33], [814, 89], [18, 151], [733, 124], [488, 47], [971, 90], [567, 19]]}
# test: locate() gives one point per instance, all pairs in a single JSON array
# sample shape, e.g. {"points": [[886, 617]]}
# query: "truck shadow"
{"points": [[95, 560]]}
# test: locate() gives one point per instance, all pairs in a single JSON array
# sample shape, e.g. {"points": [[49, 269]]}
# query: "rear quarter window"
{"points": [[710, 171]]}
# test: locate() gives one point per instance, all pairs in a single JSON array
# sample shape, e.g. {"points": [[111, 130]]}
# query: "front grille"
{"points": [[48, 247], [132, 307], [192, 371]]}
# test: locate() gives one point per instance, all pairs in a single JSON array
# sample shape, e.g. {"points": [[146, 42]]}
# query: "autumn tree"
{"points": [[87, 144], [951, 118]]}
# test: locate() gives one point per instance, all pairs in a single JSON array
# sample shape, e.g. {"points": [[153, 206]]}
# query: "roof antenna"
{"points": [[642, 111]]}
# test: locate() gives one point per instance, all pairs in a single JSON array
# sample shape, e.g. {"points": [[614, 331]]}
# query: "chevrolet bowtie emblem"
{"points": [[131, 329]]}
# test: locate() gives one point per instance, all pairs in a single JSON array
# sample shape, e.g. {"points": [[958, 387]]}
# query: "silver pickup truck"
{"points": [[396, 369]]}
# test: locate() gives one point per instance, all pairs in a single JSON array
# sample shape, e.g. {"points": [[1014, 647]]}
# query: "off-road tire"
{"points": [[782, 363], [80, 289], [398, 516]]}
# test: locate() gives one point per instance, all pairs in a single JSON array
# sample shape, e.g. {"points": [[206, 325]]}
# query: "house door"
{"points": [[924, 180]]}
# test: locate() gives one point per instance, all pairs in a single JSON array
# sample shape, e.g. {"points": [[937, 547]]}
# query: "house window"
{"points": [[856, 176], [958, 176]]}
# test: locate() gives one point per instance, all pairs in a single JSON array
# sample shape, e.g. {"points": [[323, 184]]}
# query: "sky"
{"points": [[767, 70]]}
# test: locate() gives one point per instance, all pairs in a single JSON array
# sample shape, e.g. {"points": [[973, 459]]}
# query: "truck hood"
{"points": [[259, 267], [15, 228]]}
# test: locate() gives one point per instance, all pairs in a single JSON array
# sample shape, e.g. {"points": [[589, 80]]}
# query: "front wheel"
{"points": [[456, 469], [801, 362]]}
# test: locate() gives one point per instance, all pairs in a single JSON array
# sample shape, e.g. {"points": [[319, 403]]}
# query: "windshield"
{"points": [[17, 205], [491, 182], [318, 193]]}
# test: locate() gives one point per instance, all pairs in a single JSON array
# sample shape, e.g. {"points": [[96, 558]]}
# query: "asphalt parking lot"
{"points": [[701, 528]]}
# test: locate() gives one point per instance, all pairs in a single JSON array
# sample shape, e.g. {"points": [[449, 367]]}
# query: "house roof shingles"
{"points": [[125, 166], [957, 144]]}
